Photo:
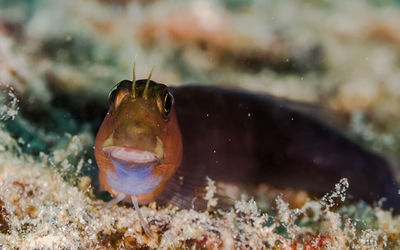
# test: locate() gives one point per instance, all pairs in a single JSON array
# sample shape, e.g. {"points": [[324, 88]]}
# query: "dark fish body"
{"points": [[234, 136], [160, 143]]}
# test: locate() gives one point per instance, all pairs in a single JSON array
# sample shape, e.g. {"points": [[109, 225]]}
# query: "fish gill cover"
{"points": [[59, 59]]}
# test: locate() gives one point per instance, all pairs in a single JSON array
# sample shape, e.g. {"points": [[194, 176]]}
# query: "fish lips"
{"points": [[130, 158]]}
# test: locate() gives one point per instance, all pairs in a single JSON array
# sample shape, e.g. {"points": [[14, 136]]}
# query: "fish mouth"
{"points": [[130, 158], [133, 170]]}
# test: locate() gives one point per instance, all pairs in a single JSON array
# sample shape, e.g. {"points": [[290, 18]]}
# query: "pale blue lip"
{"points": [[132, 177]]}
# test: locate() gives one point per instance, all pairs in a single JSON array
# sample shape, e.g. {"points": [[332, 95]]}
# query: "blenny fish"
{"points": [[160, 143]]}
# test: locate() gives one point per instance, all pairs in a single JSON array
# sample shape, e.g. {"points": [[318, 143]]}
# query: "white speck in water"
{"points": [[89, 161], [292, 118], [181, 180], [207, 115], [248, 114], [21, 140], [215, 151]]}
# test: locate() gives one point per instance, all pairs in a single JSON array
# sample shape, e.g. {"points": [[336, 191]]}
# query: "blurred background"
{"points": [[59, 59]]}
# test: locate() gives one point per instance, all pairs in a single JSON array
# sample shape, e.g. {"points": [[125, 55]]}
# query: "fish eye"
{"points": [[168, 102]]}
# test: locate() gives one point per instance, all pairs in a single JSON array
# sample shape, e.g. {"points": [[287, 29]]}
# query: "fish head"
{"points": [[139, 145]]}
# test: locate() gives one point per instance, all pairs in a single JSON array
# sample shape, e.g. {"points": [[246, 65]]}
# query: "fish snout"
{"points": [[135, 134]]}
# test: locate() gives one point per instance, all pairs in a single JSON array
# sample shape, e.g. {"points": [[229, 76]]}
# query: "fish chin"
{"points": [[133, 170]]}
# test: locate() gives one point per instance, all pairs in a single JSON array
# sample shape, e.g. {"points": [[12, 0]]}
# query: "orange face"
{"points": [[138, 146]]}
